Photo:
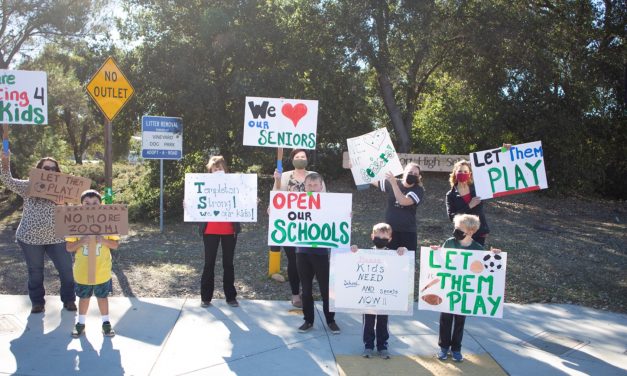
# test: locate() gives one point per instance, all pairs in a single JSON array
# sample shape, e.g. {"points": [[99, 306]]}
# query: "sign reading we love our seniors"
{"points": [[23, 97], [372, 155], [463, 282], [56, 186], [220, 198], [310, 219], [276, 122], [372, 281], [500, 172]]}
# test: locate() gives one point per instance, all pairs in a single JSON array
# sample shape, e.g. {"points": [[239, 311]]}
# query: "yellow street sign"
{"points": [[110, 89]]}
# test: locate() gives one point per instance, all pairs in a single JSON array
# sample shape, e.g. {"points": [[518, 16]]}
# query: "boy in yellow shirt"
{"points": [[102, 284]]}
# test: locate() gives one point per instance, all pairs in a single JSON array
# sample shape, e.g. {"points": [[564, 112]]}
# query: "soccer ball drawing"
{"points": [[492, 262]]}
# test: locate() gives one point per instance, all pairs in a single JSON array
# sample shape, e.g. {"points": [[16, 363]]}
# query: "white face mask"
{"points": [[219, 172]]}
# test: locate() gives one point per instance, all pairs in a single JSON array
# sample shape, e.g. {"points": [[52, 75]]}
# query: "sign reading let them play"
{"points": [[56, 186], [462, 282], [279, 122], [500, 172], [110, 89]]}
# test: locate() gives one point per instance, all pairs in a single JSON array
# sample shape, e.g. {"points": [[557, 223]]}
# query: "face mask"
{"points": [[462, 178], [411, 179], [299, 164], [458, 234], [380, 242], [219, 172]]}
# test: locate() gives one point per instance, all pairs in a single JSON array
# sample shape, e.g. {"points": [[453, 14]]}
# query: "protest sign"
{"points": [[279, 122], [371, 156], [220, 198], [310, 219], [373, 281], [23, 97], [462, 281], [90, 220], [501, 172], [56, 186]]}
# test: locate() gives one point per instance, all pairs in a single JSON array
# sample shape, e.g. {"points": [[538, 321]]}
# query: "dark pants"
{"points": [[381, 335], [292, 269], [448, 339], [310, 265], [408, 240], [211, 251], [62, 260]]}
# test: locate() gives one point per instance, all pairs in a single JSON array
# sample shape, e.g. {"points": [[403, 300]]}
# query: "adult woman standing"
{"points": [[462, 199], [293, 181], [403, 195], [35, 236], [212, 234]]}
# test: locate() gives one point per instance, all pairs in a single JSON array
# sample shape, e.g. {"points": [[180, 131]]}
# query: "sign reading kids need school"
{"points": [[279, 122], [310, 219], [463, 282], [220, 198], [501, 172], [23, 97]]}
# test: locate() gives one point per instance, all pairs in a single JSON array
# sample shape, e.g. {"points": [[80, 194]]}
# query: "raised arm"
{"points": [[18, 186]]}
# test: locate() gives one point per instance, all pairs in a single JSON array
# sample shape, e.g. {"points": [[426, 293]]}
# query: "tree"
{"points": [[22, 22]]}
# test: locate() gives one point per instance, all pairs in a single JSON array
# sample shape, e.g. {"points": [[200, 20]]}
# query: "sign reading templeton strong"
{"points": [[310, 219], [23, 97], [110, 89]]}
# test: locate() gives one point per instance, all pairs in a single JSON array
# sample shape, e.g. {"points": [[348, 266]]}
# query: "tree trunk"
{"points": [[402, 131]]}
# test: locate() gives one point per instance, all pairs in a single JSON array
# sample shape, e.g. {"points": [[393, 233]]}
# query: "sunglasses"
{"points": [[48, 168]]}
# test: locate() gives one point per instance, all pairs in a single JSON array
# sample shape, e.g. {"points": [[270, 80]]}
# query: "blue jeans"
{"points": [[62, 260]]}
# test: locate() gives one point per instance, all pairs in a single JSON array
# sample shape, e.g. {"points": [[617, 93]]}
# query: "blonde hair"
{"points": [[471, 222], [453, 177], [382, 227], [217, 160], [408, 167]]}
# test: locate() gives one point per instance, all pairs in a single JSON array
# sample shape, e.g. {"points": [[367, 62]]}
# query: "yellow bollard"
{"points": [[274, 262]]}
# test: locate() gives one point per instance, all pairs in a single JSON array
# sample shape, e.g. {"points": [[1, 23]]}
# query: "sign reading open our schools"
{"points": [[220, 198], [23, 97], [279, 122], [462, 281], [372, 281], [372, 155], [310, 219], [500, 172], [162, 137]]}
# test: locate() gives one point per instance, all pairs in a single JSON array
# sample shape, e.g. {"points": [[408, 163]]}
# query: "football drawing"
{"points": [[476, 267], [492, 262], [432, 299]]}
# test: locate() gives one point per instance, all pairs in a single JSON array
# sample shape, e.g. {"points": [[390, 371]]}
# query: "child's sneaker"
{"points": [[107, 330], [367, 353], [78, 330], [384, 354], [457, 356], [443, 354]]}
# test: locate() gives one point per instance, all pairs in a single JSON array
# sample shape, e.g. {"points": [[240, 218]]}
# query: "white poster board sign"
{"points": [[372, 155], [500, 172], [462, 281], [373, 281], [23, 97], [220, 198], [310, 219], [279, 122]]}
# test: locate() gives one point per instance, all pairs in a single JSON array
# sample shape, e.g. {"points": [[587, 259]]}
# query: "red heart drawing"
{"points": [[294, 113]]}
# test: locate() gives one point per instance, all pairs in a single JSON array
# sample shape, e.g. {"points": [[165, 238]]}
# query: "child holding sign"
{"points": [[101, 284], [381, 237], [466, 226], [314, 262]]}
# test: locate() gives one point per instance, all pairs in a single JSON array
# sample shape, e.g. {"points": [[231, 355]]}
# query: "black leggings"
{"points": [[211, 252]]}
